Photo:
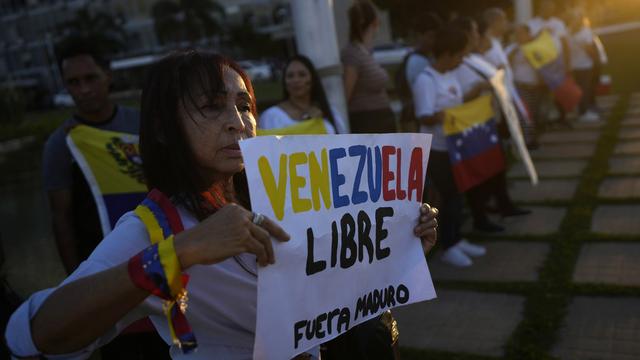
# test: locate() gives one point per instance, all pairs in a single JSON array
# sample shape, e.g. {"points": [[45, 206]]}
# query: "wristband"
{"points": [[156, 269]]}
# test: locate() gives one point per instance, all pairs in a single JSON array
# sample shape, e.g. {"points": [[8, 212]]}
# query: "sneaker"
{"points": [[471, 249], [456, 257], [589, 117]]}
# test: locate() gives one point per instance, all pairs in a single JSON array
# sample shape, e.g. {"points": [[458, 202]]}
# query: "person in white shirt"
{"points": [[473, 75], [584, 56], [434, 90], [497, 25], [527, 82], [426, 25], [304, 99], [196, 107], [547, 20]]}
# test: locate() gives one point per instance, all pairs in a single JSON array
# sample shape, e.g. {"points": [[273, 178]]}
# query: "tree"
{"points": [[186, 20], [103, 30]]}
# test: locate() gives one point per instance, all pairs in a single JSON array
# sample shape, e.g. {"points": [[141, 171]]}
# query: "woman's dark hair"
{"points": [[317, 90], [450, 40], [361, 15], [174, 82], [77, 46]]}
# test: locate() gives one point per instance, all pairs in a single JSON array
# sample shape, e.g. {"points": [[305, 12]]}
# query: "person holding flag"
{"points": [[557, 75], [497, 25], [435, 90], [474, 75]]}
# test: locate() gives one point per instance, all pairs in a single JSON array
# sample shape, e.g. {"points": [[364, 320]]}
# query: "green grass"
{"points": [[38, 124]]}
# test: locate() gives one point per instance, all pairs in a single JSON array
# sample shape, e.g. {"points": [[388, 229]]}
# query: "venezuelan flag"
{"points": [[308, 127], [545, 56], [111, 164], [472, 140]]}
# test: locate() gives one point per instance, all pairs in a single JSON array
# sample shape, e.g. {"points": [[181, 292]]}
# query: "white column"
{"points": [[523, 10], [315, 34]]}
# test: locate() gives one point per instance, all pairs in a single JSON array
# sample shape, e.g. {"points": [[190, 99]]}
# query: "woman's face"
{"points": [[214, 124], [297, 79]]}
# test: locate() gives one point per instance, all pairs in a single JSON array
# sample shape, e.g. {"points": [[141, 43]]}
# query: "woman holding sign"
{"points": [[304, 109], [195, 226]]}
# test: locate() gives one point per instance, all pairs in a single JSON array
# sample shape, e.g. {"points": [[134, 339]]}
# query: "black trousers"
{"points": [[478, 196], [584, 78], [450, 201], [371, 340]]}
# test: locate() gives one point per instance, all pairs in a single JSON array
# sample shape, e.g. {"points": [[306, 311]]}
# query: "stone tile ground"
{"points": [[577, 126], [545, 190], [609, 263], [569, 137], [564, 151], [551, 168], [505, 261], [631, 121], [624, 165], [461, 321], [620, 188], [630, 133], [543, 220], [601, 328], [628, 148], [616, 220]]}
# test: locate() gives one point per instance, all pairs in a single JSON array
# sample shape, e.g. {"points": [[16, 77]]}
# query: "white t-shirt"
{"points": [[473, 70], [523, 71], [275, 118], [498, 58], [221, 308], [580, 59], [556, 26], [432, 93]]}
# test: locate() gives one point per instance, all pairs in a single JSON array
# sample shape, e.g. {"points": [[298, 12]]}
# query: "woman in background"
{"points": [[364, 80], [304, 99]]}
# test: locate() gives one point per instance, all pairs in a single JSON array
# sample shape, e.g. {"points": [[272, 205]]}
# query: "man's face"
{"points": [[87, 83]]}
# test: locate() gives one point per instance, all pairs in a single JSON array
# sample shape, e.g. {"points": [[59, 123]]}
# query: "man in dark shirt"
{"points": [[76, 224]]}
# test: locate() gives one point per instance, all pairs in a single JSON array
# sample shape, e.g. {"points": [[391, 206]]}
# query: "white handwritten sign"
{"points": [[350, 203]]}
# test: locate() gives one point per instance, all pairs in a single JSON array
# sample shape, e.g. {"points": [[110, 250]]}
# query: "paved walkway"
{"points": [[585, 224]]}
